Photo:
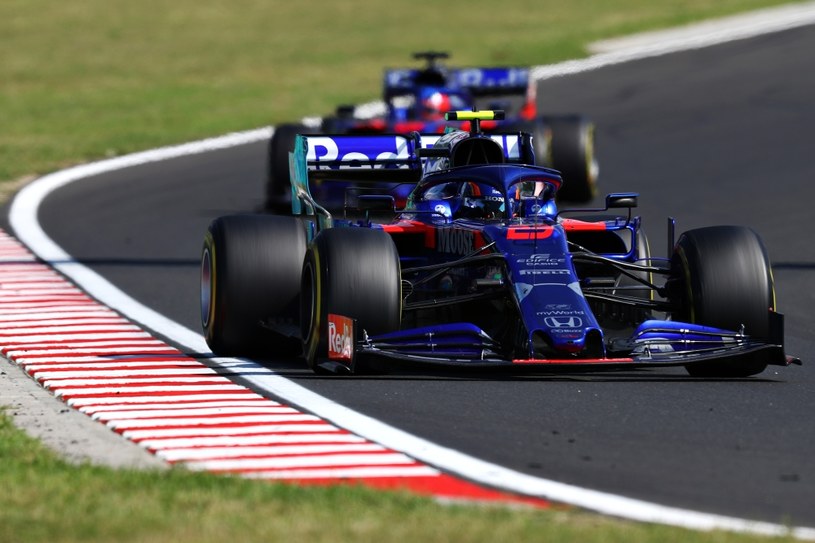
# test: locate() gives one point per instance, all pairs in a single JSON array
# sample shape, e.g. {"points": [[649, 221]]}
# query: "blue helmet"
{"points": [[481, 201]]}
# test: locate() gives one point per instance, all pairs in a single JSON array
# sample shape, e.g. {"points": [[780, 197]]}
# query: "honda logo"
{"points": [[563, 322]]}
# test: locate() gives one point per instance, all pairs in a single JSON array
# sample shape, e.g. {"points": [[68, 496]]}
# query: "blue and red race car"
{"points": [[416, 99], [479, 269]]}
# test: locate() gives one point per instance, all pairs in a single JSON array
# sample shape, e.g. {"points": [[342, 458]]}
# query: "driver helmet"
{"points": [[436, 104], [481, 201]]}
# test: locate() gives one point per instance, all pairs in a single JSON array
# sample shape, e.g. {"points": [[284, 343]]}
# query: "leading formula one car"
{"points": [[416, 99], [479, 269]]}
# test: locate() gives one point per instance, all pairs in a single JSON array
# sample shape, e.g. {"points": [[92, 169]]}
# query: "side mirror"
{"points": [[624, 200]]}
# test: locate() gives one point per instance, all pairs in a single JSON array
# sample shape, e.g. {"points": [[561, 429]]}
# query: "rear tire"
{"points": [[572, 153], [278, 187], [721, 277], [353, 272], [250, 275]]}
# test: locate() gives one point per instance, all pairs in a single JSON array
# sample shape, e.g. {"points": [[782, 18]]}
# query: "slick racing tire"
{"points": [[250, 285], [721, 277], [572, 153], [352, 272], [278, 187]]}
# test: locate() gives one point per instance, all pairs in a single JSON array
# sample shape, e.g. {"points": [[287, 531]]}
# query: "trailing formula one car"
{"points": [[479, 270], [416, 99]]}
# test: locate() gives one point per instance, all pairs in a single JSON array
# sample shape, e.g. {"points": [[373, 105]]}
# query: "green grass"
{"points": [[85, 79], [46, 500]]}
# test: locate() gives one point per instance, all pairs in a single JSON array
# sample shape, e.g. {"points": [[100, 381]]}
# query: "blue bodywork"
{"points": [[494, 274]]}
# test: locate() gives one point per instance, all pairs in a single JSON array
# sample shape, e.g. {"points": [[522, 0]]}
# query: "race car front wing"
{"points": [[464, 345]]}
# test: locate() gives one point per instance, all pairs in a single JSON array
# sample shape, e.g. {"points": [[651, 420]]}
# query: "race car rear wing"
{"points": [[359, 159], [382, 157], [374, 158], [378, 157], [507, 80]]}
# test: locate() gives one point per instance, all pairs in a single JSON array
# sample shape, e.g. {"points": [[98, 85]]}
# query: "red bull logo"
{"points": [[340, 337]]}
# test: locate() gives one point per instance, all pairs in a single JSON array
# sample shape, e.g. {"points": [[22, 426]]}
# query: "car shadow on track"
{"points": [[296, 369]]}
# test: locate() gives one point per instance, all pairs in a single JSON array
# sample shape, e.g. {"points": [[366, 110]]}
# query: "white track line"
{"points": [[345, 473], [230, 452], [23, 218], [249, 441], [136, 401]]}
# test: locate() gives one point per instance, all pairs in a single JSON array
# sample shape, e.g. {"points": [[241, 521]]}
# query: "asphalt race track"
{"points": [[720, 135]]}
